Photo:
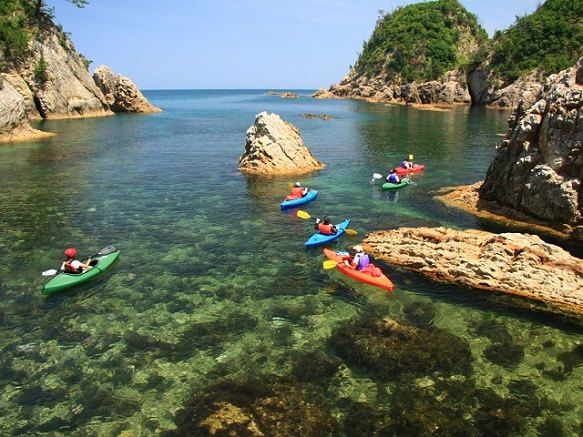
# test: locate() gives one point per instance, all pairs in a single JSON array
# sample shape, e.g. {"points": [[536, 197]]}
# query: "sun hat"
{"points": [[358, 248], [297, 184]]}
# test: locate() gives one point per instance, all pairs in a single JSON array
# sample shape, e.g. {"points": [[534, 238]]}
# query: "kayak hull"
{"points": [[318, 239], [391, 186], [310, 195], [381, 282], [405, 171], [65, 280]]}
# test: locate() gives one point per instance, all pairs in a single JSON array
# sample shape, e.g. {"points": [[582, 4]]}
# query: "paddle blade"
{"points": [[50, 272], [303, 214], [329, 264], [377, 176], [107, 250], [350, 231]]}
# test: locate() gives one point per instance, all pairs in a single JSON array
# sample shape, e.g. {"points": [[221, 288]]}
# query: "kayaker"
{"points": [[360, 259], [393, 177], [408, 163], [324, 227], [72, 265], [297, 191]]}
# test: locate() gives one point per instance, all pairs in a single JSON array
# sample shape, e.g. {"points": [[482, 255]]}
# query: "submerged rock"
{"points": [[121, 94], [516, 264], [275, 146], [391, 348], [257, 408]]}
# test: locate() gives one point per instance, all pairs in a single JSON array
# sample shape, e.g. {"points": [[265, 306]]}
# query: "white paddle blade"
{"points": [[377, 176], [50, 272]]}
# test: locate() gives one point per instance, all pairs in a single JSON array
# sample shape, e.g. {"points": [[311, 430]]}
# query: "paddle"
{"points": [[375, 176], [329, 264], [304, 215], [105, 251]]}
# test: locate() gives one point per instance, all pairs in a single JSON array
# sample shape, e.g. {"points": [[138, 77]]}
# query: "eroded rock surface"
{"points": [[275, 146], [517, 264], [538, 169], [121, 94]]}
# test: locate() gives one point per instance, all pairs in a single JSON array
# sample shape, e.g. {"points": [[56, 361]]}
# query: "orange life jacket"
{"points": [[296, 193], [325, 229]]}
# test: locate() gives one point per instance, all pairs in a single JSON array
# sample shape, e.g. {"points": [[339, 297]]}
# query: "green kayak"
{"points": [[390, 186], [104, 258]]}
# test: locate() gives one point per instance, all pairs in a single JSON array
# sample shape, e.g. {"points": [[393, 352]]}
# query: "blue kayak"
{"points": [[318, 238], [310, 195]]}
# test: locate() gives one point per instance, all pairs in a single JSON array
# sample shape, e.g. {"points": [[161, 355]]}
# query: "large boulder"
{"points": [[121, 94], [275, 146], [517, 264], [538, 169]]}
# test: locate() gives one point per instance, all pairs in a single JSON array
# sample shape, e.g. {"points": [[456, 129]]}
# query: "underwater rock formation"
{"points": [[121, 94], [517, 264], [275, 146], [538, 168], [391, 348], [257, 408]]}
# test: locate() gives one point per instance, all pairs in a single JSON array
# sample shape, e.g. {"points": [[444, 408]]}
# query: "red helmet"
{"points": [[71, 252]]}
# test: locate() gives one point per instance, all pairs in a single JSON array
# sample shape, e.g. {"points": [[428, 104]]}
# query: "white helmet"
{"points": [[297, 184]]}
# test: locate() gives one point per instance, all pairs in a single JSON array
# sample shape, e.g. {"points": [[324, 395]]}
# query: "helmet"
{"points": [[358, 248], [297, 184], [410, 157], [71, 252]]}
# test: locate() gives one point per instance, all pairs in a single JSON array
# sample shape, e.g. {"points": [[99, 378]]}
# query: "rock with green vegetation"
{"points": [[417, 54], [521, 57]]}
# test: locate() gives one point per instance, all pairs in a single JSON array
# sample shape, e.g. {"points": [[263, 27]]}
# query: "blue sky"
{"points": [[239, 43]]}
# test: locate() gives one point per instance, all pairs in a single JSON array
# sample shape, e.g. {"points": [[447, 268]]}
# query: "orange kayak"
{"points": [[381, 281]]}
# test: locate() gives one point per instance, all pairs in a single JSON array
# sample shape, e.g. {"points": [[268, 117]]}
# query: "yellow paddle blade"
{"points": [[350, 231], [303, 214], [329, 264]]}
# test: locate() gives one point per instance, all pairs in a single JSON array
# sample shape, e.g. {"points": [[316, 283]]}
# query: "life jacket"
{"points": [[363, 261], [70, 269], [393, 179], [325, 229], [405, 164], [296, 193]]}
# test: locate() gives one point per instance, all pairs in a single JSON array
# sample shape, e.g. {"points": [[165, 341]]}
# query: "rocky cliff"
{"points": [[121, 94], [538, 169], [52, 82], [275, 146], [516, 264]]}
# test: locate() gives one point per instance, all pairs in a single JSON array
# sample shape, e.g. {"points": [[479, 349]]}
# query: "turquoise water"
{"points": [[214, 283]]}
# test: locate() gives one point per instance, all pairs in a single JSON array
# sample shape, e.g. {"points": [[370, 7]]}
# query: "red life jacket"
{"points": [[325, 229], [296, 193]]}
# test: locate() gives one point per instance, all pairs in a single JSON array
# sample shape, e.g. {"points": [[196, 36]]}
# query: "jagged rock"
{"points": [[283, 94], [324, 94], [538, 169], [517, 264], [274, 146], [310, 115], [14, 125], [121, 94]]}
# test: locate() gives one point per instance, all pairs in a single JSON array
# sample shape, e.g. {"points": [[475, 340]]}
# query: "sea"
{"points": [[213, 283]]}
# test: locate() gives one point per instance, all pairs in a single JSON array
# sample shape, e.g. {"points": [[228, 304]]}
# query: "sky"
{"points": [[218, 44]]}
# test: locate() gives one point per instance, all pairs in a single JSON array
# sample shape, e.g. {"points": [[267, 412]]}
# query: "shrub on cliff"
{"points": [[421, 41], [551, 39]]}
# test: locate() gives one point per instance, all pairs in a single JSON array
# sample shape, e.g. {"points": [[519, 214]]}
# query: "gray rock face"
{"points": [[274, 146], [538, 169], [14, 123], [121, 94]]}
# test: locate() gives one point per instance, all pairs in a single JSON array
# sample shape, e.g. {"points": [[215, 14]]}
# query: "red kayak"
{"points": [[381, 281], [405, 171]]}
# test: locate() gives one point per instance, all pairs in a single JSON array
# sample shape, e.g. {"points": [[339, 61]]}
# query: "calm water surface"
{"points": [[213, 280]]}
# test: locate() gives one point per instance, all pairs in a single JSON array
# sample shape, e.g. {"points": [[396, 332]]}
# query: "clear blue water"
{"points": [[213, 280]]}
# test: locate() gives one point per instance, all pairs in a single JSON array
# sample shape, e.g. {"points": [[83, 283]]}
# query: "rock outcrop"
{"points": [[516, 264], [14, 123], [275, 146], [484, 92], [121, 94], [452, 90], [538, 169]]}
